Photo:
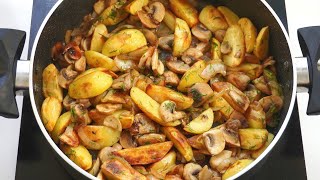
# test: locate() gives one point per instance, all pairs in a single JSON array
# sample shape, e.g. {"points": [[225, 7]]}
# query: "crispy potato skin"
{"points": [[79, 155], [145, 154], [63, 121], [185, 11], [162, 167], [179, 141], [118, 168], [250, 33], [252, 139], [236, 167], [149, 106], [161, 93], [182, 37], [89, 84], [50, 111], [96, 59], [124, 42], [261, 49], [212, 19], [50, 85], [98, 38]]}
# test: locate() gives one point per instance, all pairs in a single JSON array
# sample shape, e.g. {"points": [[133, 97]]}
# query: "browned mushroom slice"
{"points": [[156, 65], [80, 64], [66, 76], [108, 108], [97, 116], [214, 141], [201, 32], [190, 171], [142, 125], [200, 92], [67, 102], [219, 34], [126, 140], [123, 82], [239, 79], [152, 15], [271, 105], [70, 137], [212, 69], [230, 132], [238, 116], [171, 78], [261, 84], [256, 116], [207, 173], [73, 51], [150, 36], [252, 93], [168, 111], [134, 55], [80, 114], [113, 96], [177, 66], [85, 43], [217, 159], [106, 153], [56, 51], [151, 138], [112, 122], [225, 164], [166, 42], [225, 47], [191, 55], [251, 58]]}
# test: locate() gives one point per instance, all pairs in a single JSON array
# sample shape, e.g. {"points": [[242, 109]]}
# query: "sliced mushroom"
{"points": [[261, 84], [201, 32], [200, 93], [238, 116], [70, 137], [95, 167], [152, 15], [123, 82], [146, 57], [80, 114], [212, 69], [271, 105], [166, 42], [97, 116], [173, 177], [72, 51], [214, 141], [207, 173], [225, 47], [203, 46], [112, 122], [217, 159], [191, 55], [80, 64], [85, 43], [156, 65], [66, 76], [142, 124], [244, 154], [67, 102], [134, 55], [251, 58], [239, 79], [171, 78], [113, 96], [219, 35], [126, 140], [108, 108], [225, 164], [57, 50], [168, 111], [231, 132], [123, 64], [177, 66], [100, 175], [252, 93], [268, 62], [151, 138], [190, 171], [150, 36], [106, 153]]}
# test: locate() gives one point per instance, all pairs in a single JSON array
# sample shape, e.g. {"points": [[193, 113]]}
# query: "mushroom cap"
{"points": [[168, 111], [191, 170], [177, 66], [201, 32], [217, 159], [152, 15], [126, 140], [214, 141]]}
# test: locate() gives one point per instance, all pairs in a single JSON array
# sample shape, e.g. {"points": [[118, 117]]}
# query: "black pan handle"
{"points": [[309, 38], [11, 46]]}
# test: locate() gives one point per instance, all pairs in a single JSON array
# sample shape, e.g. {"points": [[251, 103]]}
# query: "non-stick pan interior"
{"points": [[70, 13]]}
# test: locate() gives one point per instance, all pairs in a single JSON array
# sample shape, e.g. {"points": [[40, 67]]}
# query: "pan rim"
{"points": [[88, 175]]}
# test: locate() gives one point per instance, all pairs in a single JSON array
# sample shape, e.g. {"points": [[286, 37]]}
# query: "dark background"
{"points": [[36, 159]]}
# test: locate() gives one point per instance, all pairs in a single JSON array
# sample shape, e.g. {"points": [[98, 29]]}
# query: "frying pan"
{"points": [[68, 14]]}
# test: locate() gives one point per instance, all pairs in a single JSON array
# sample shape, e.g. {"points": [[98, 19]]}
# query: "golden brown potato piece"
{"points": [[170, 19], [255, 116], [63, 121], [50, 85], [202, 123], [185, 11], [96, 59], [161, 93], [236, 167], [218, 103], [261, 48], [79, 155], [234, 38], [90, 83], [97, 137], [149, 106], [162, 167], [255, 154], [252, 139], [113, 14], [250, 33], [145, 154], [215, 49], [192, 76], [212, 19], [252, 70], [182, 37], [135, 6], [124, 42], [50, 111], [98, 37], [118, 168], [179, 141], [229, 15]]}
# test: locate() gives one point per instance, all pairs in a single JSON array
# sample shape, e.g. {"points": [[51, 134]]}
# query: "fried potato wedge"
{"points": [[255, 115], [202, 123], [50, 85], [261, 49], [252, 70], [218, 103], [182, 37], [96, 59], [98, 37], [124, 42], [118, 168], [149, 106], [184, 10], [97, 137], [255, 154], [236, 167], [215, 49], [135, 6], [113, 14], [161, 93], [79, 155], [192, 76], [50, 111], [250, 33], [213, 19], [252, 139], [179, 141], [170, 20], [62, 123], [89, 84], [234, 38], [162, 167], [229, 15], [145, 154]]}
